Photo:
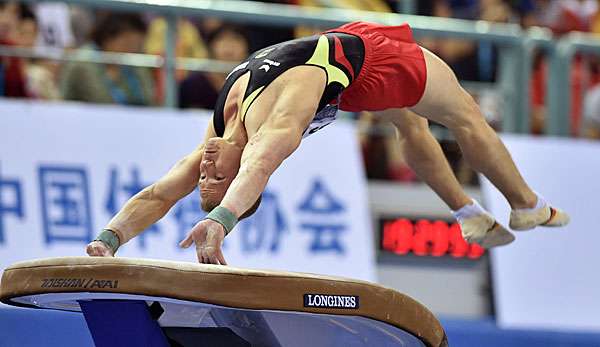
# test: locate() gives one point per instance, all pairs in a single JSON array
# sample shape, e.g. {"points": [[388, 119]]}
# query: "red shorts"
{"points": [[393, 73]]}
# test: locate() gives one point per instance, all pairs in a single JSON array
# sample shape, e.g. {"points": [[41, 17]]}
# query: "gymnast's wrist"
{"points": [[223, 216], [110, 238]]}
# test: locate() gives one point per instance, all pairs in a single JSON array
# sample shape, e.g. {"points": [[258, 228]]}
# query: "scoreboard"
{"points": [[426, 237]]}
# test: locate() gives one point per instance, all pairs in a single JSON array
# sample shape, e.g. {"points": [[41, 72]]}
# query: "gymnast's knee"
{"points": [[408, 123], [466, 116], [415, 131]]}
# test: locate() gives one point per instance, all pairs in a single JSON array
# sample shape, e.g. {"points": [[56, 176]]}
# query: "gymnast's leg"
{"points": [[446, 102], [424, 155]]}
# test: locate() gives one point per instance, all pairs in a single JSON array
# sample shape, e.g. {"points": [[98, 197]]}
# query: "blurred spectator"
{"points": [[82, 23], [40, 74], [591, 112], [470, 60], [27, 28], [363, 5], [524, 12], [103, 83], [493, 11], [10, 11], [208, 25], [563, 16], [201, 89], [377, 142], [579, 75], [12, 79], [463, 9], [189, 44], [460, 55], [572, 15], [595, 25], [398, 169], [463, 172], [538, 95], [261, 36]]}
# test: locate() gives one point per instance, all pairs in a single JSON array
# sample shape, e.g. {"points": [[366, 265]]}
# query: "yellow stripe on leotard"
{"points": [[248, 101], [321, 58]]}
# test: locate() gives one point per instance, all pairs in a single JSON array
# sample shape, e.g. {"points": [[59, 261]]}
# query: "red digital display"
{"points": [[427, 238]]}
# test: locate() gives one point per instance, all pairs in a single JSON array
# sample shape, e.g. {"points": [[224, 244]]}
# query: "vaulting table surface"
{"points": [[223, 286]]}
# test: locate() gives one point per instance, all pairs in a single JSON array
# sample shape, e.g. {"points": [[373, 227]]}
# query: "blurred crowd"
{"points": [[53, 25]]}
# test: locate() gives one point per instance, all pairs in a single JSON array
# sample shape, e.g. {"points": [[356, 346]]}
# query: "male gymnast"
{"points": [[288, 91]]}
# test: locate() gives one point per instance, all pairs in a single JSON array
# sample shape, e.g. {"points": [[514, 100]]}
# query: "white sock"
{"points": [[541, 203], [469, 211]]}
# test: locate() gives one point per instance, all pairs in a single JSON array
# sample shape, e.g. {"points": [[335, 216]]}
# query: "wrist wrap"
{"points": [[224, 217], [110, 239]]}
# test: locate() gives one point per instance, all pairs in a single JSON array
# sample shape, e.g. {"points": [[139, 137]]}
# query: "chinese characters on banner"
{"points": [[65, 205], [11, 202], [324, 217], [264, 230]]}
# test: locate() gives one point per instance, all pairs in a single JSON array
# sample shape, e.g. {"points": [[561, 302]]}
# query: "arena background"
{"points": [[345, 203]]}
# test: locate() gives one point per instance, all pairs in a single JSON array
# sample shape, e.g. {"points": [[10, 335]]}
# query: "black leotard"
{"points": [[339, 55]]}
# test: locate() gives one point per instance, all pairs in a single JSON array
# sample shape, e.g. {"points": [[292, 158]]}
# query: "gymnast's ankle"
{"points": [[468, 211], [539, 203], [526, 201]]}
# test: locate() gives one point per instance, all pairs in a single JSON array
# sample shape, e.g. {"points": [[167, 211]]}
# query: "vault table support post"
{"points": [[116, 323]]}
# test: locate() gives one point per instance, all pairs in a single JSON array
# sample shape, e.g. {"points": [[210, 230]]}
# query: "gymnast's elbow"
{"points": [[260, 169], [153, 194]]}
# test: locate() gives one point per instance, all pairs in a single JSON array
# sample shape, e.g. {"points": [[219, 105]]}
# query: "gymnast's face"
{"points": [[219, 166]]}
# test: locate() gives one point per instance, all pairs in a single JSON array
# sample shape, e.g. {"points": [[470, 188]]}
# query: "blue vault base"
{"points": [[135, 320], [21, 327]]}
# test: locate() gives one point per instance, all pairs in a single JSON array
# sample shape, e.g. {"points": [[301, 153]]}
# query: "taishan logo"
{"points": [[331, 301], [88, 283]]}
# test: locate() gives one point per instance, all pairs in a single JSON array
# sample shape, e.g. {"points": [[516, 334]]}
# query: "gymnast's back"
{"points": [[339, 55]]}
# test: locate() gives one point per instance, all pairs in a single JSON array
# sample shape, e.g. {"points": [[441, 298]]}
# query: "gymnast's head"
{"points": [[219, 166]]}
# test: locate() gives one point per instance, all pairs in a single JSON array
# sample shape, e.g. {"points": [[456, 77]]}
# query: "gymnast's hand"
{"points": [[208, 236], [98, 249]]}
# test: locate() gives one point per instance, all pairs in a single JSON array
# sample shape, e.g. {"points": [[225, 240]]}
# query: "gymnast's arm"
{"points": [[154, 201], [266, 150], [278, 137]]}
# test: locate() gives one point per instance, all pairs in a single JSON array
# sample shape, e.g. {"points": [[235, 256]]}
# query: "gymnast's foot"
{"points": [[542, 214], [480, 227]]}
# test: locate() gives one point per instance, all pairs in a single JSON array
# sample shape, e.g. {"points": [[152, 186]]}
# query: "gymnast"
{"points": [[288, 91]]}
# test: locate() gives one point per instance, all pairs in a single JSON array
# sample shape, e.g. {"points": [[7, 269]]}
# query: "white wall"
{"points": [[550, 278]]}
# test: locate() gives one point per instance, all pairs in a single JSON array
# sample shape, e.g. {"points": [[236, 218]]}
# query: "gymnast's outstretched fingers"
{"points": [[208, 236], [220, 257]]}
